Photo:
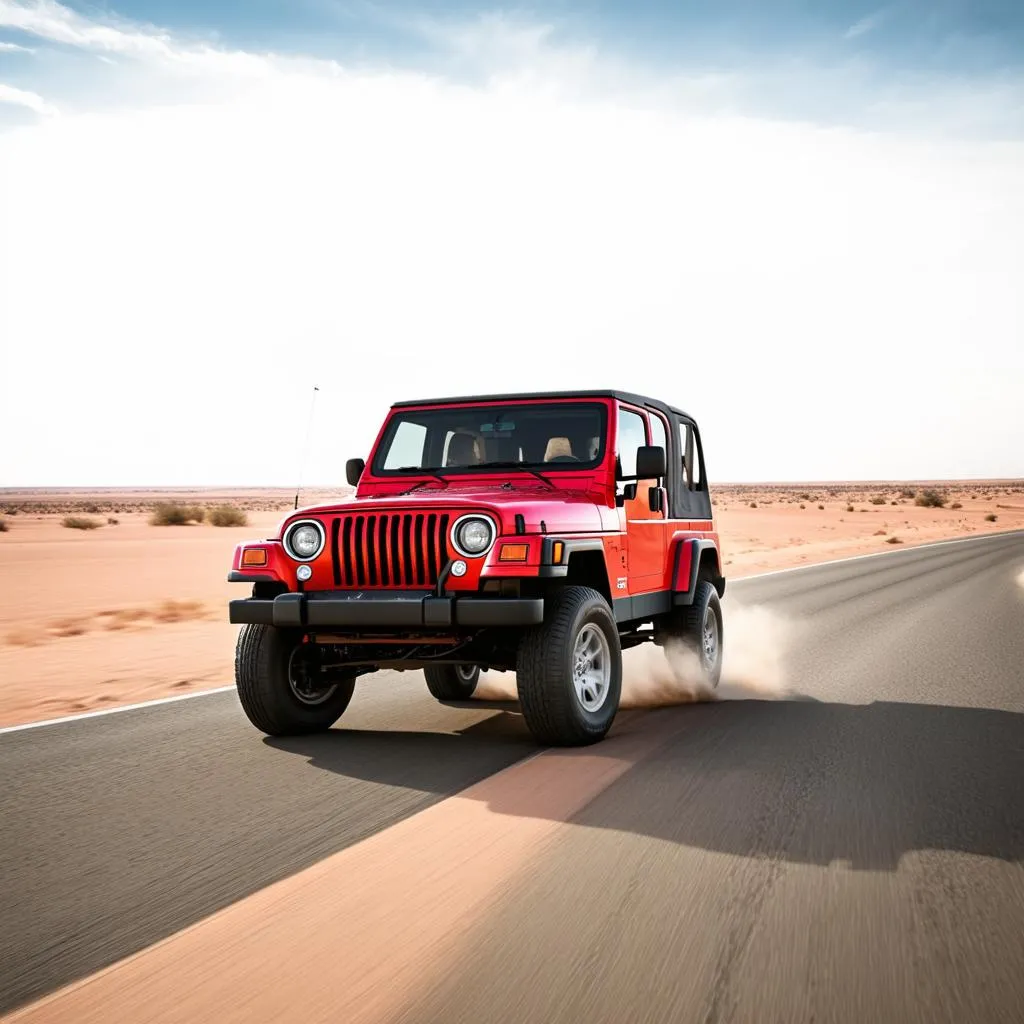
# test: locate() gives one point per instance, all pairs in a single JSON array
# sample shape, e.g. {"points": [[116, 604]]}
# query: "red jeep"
{"points": [[540, 534]]}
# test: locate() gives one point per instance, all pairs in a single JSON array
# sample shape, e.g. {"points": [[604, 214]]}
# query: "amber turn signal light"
{"points": [[254, 556], [556, 552], [514, 553]]}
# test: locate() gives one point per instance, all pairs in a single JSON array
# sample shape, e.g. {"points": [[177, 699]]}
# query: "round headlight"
{"points": [[473, 536], [304, 541]]}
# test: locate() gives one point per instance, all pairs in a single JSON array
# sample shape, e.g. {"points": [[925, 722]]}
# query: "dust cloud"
{"points": [[757, 643]]}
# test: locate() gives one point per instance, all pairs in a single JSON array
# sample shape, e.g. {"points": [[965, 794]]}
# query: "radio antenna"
{"points": [[305, 452]]}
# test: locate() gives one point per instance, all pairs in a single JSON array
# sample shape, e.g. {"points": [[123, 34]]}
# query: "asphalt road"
{"points": [[851, 854]]}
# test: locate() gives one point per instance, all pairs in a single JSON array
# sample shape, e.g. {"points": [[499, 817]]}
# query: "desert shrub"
{"points": [[3, 526], [79, 523], [878, 500], [956, 504], [821, 508], [111, 521], [802, 505], [991, 517], [893, 540], [753, 504], [929, 498], [894, 503], [849, 508], [228, 515], [93, 509], [167, 513], [10, 512], [906, 492]]}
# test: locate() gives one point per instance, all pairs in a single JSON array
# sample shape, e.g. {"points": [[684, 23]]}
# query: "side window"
{"points": [[632, 435], [691, 461], [407, 446], [659, 435]]}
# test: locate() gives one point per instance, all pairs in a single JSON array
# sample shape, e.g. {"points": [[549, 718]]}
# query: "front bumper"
{"points": [[396, 610]]}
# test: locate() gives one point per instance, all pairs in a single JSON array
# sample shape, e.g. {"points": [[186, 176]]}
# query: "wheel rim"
{"points": [[465, 672], [300, 681], [709, 638], [591, 667]]}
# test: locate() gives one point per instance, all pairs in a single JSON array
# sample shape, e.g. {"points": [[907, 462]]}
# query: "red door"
{"points": [[645, 528]]}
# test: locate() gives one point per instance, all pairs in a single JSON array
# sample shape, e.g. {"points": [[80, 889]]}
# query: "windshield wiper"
{"points": [[510, 464], [424, 470]]}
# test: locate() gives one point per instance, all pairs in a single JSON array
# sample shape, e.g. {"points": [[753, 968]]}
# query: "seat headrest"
{"points": [[463, 450], [557, 446]]}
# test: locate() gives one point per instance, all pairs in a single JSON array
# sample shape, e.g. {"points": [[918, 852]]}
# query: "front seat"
{"points": [[463, 450], [558, 447]]}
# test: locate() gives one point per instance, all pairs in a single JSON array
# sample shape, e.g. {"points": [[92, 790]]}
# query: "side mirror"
{"points": [[354, 470], [650, 462]]}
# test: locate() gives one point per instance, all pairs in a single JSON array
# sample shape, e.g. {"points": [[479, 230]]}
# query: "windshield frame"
{"points": [[406, 413]]}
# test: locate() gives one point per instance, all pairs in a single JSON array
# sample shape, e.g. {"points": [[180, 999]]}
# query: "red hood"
{"points": [[563, 510]]}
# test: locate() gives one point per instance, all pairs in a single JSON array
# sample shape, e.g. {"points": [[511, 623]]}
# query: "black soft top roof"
{"points": [[622, 396]]}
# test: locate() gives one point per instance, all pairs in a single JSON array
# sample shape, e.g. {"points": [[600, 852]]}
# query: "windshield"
{"points": [[556, 435]]}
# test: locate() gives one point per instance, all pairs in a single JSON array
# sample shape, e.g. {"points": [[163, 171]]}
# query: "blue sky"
{"points": [[803, 222]]}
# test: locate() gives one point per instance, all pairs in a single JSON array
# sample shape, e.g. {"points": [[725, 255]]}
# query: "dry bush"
{"points": [[167, 513], [4, 526], [991, 517], [956, 504], [893, 540], [228, 515], [753, 504], [80, 523], [906, 492], [849, 508], [178, 611], [878, 500], [881, 533], [821, 508], [930, 498]]}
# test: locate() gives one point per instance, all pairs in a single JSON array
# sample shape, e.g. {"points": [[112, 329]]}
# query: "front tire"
{"points": [[569, 670], [280, 686], [452, 682]]}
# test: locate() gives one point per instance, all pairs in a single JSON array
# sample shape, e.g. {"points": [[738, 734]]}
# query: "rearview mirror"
{"points": [[354, 470], [650, 462]]}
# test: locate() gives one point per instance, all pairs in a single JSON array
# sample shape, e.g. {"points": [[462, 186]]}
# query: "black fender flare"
{"points": [[693, 549]]}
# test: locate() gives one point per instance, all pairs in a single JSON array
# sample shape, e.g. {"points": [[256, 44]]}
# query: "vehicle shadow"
{"points": [[802, 781]]}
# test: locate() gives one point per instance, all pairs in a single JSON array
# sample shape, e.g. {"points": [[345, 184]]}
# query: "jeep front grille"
{"points": [[398, 549]]}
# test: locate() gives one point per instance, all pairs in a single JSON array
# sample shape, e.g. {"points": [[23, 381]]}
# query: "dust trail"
{"points": [[1020, 580], [757, 643]]}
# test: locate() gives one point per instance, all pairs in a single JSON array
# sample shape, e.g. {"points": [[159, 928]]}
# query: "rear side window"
{"points": [[690, 459]]}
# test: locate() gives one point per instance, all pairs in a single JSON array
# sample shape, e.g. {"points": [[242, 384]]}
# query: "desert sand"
{"points": [[129, 611]]}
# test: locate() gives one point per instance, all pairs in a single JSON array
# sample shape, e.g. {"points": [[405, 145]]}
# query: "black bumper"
{"points": [[373, 609]]}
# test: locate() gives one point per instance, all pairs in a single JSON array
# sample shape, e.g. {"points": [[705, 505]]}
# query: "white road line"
{"points": [[872, 554], [731, 579], [114, 711]]}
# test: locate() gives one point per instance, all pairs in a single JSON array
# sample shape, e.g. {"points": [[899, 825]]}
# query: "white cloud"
{"points": [[22, 98], [829, 303], [867, 24], [6, 47]]}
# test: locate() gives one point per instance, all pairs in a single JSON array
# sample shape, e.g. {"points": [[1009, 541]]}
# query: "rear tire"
{"points": [[569, 670], [452, 682], [699, 627], [279, 684]]}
